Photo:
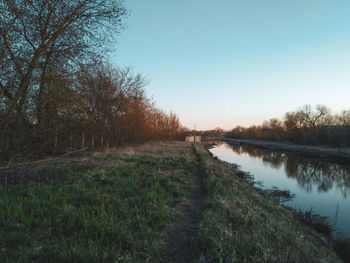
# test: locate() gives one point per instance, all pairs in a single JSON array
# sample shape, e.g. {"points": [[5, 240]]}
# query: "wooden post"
{"points": [[83, 141], [194, 134], [55, 143], [71, 140]]}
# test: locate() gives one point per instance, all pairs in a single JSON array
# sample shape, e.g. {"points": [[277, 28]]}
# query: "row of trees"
{"points": [[304, 126], [216, 132], [57, 92]]}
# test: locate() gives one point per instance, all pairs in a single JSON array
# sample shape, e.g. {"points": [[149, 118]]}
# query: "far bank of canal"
{"points": [[318, 185]]}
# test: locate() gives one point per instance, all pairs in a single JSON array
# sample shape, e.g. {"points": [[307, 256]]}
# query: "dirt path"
{"points": [[179, 247]]}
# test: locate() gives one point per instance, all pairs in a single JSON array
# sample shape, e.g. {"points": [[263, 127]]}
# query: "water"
{"points": [[319, 185]]}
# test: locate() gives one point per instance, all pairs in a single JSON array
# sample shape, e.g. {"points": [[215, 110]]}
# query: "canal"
{"points": [[320, 186]]}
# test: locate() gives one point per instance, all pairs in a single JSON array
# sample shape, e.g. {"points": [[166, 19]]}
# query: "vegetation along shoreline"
{"points": [[143, 194]]}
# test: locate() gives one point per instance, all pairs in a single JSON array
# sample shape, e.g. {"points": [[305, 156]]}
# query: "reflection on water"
{"points": [[309, 173], [319, 185]]}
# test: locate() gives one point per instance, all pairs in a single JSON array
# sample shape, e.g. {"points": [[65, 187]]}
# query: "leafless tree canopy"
{"points": [[54, 92], [304, 125]]}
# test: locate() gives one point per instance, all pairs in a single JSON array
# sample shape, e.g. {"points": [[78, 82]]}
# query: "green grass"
{"points": [[118, 212], [242, 224], [121, 207]]}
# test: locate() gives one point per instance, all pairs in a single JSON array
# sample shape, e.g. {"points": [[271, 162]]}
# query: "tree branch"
{"points": [[6, 92]]}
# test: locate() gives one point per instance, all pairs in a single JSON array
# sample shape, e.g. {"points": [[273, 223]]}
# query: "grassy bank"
{"points": [[118, 211], [242, 224], [320, 152], [122, 207]]}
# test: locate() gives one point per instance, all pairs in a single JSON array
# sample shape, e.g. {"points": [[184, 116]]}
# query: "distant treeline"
{"points": [[57, 90], [303, 126]]}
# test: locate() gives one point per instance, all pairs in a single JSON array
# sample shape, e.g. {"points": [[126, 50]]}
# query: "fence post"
{"points": [[55, 143], [71, 140], [83, 140]]}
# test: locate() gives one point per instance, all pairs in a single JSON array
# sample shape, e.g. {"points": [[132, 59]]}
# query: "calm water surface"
{"points": [[321, 186]]}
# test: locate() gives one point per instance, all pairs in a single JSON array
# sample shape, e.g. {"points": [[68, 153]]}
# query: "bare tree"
{"points": [[343, 118], [56, 90], [310, 118], [43, 38]]}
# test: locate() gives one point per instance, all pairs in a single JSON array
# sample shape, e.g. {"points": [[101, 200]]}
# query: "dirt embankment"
{"points": [[240, 223]]}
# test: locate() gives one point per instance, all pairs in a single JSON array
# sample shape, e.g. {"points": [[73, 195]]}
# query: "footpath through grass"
{"points": [[120, 211], [123, 208]]}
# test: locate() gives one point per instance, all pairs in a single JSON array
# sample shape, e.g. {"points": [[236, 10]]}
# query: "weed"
{"points": [[110, 213], [243, 224]]}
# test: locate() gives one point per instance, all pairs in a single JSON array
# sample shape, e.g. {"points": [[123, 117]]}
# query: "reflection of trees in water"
{"points": [[273, 159], [309, 173], [321, 174]]}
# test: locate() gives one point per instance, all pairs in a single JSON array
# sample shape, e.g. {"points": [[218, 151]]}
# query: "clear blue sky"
{"points": [[238, 62]]}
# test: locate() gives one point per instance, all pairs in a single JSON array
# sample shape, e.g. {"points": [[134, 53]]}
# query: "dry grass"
{"points": [[119, 209], [158, 148], [243, 224]]}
